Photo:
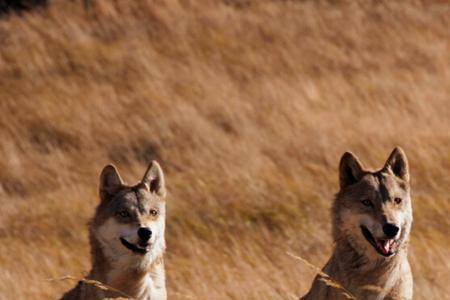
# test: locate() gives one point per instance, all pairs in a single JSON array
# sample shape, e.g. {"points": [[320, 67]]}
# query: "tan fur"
{"points": [[130, 274], [355, 263]]}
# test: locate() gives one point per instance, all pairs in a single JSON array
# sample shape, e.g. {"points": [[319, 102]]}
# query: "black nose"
{"points": [[144, 233], [390, 230]]}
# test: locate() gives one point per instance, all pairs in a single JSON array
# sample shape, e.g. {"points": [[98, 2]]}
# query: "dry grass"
{"points": [[248, 106]]}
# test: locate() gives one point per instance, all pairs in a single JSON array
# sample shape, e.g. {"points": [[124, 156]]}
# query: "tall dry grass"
{"points": [[248, 106]]}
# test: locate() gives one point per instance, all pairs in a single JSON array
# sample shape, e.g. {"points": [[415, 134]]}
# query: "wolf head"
{"points": [[372, 211], [129, 222]]}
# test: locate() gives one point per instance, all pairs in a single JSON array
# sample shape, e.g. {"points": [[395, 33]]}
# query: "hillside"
{"points": [[248, 106]]}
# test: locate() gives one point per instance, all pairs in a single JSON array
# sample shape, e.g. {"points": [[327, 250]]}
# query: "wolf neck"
{"points": [[139, 279], [354, 268]]}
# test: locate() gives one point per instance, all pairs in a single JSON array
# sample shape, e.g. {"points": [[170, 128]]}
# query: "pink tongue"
{"points": [[385, 245]]}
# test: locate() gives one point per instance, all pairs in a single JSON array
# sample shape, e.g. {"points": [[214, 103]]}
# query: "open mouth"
{"points": [[135, 248], [385, 247]]}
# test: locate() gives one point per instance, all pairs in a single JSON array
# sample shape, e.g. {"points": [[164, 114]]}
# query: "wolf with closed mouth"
{"points": [[127, 239], [371, 222]]}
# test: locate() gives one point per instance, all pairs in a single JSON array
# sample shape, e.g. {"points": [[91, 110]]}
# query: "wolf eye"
{"points": [[366, 202], [123, 214], [153, 212], [398, 200]]}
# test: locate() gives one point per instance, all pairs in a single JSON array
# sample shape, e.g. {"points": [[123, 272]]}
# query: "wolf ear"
{"points": [[397, 163], [154, 179], [109, 181], [350, 170]]}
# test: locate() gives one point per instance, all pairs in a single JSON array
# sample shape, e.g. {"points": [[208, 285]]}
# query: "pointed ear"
{"points": [[109, 181], [397, 163], [350, 170], [154, 179]]}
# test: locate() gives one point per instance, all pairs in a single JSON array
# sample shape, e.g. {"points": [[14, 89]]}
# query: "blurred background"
{"points": [[248, 106]]}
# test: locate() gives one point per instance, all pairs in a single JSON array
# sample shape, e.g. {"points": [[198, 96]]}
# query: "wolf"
{"points": [[127, 239], [371, 223]]}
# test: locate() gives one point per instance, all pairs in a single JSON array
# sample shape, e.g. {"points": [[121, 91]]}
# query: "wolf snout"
{"points": [[144, 233], [390, 230]]}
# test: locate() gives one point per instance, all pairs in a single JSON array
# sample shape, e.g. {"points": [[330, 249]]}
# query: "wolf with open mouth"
{"points": [[371, 218], [127, 239]]}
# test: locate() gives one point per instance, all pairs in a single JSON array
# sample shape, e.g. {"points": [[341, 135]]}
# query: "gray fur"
{"points": [[122, 211], [355, 263]]}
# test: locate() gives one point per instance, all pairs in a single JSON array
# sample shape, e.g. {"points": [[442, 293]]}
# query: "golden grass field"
{"points": [[248, 106]]}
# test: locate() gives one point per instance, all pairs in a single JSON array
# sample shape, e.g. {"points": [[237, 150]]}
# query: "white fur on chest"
{"points": [[150, 287], [122, 260]]}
